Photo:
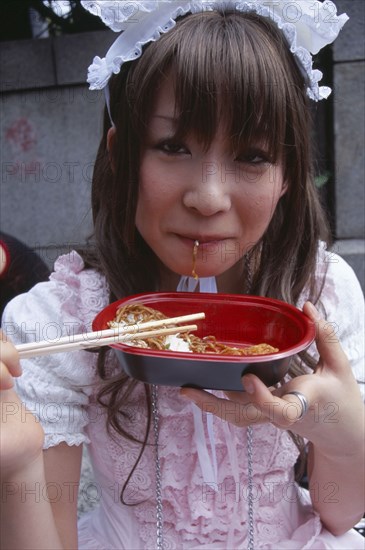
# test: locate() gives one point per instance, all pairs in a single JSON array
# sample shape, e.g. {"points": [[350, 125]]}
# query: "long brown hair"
{"points": [[226, 66]]}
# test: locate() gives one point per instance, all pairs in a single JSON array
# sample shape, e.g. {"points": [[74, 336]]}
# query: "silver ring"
{"points": [[303, 401]]}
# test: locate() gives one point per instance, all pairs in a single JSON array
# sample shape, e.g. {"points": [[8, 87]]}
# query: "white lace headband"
{"points": [[308, 26]]}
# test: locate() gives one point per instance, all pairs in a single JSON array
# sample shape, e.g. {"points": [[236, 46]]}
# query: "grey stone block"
{"points": [[47, 162], [74, 53], [350, 44], [349, 149], [26, 64]]}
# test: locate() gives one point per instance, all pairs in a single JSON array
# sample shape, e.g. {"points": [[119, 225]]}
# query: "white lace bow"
{"points": [[308, 26]]}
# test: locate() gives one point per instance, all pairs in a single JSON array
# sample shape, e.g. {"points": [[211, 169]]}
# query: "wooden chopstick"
{"points": [[107, 337], [77, 346], [112, 332]]}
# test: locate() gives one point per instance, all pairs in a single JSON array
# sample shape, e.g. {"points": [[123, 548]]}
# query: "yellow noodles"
{"points": [[195, 253], [138, 313]]}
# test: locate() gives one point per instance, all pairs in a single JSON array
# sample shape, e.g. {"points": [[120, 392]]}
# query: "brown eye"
{"points": [[171, 148], [254, 158]]}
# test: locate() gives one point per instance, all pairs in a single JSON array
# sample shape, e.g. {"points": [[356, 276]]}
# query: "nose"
{"points": [[208, 192]]}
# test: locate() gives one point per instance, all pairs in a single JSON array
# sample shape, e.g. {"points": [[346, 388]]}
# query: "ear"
{"points": [[110, 141], [284, 188]]}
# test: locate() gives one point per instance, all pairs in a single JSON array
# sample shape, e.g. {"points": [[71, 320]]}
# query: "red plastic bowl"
{"points": [[232, 319]]}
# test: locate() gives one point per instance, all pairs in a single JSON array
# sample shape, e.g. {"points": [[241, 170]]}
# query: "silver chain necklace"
{"points": [[250, 546], [159, 505], [156, 431]]}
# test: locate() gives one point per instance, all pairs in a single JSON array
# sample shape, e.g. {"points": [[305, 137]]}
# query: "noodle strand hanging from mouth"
{"points": [[195, 253]]}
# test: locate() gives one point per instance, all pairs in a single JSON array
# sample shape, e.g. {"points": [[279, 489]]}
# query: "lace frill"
{"points": [[197, 513], [57, 388], [308, 26]]}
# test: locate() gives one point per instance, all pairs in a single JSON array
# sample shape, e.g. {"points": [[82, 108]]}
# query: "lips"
{"points": [[210, 244], [204, 239]]}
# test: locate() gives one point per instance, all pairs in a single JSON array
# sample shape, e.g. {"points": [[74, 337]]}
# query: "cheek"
{"points": [[272, 190], [156, 183], [269, 203], [150, 190], [156, 198], [259, 205]]}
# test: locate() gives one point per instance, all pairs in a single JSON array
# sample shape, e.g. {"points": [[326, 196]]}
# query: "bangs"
{"points": [[229, 70]]}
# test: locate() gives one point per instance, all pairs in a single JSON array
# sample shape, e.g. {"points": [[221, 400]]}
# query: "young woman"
{"points": [[206, 137]]}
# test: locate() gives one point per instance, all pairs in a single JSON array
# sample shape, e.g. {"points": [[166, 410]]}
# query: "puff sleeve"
{"points": [[57, 388], [342, 304], [343, 301]]}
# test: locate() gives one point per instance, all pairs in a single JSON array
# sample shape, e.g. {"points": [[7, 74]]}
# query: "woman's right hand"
{"points": [[9, 363], [21, 434]]}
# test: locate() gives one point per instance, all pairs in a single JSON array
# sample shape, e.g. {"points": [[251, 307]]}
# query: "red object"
{"points": [[236, 320], [6, 252]]}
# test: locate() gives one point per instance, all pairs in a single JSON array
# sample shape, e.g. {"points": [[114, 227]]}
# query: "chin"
{"points": [[204, 273]]}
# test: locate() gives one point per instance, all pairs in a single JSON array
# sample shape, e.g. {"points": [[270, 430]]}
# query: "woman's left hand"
{"points": [[335, 409]]}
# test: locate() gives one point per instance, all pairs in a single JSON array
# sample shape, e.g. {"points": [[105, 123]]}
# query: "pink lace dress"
{"points": [[204, 508]]}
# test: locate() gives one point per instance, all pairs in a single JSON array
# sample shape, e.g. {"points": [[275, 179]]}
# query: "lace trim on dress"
{"points": [[51, 440], [190, 504], [57, 388]]}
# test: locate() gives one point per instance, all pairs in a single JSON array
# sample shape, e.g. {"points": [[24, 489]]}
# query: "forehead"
{"points": [[164, 104], [229, 71], [205, 100], [168, 114]]}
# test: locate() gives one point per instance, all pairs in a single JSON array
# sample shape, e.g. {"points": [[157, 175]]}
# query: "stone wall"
{"points": [[51, 125], [349, 133], [50, 129]]}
